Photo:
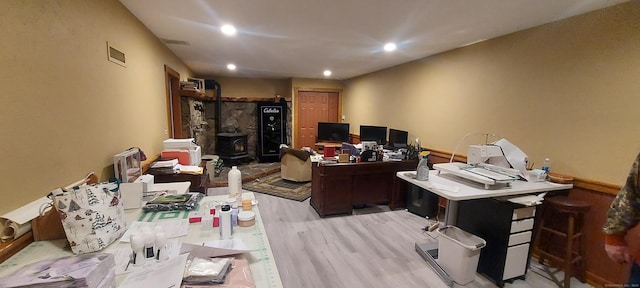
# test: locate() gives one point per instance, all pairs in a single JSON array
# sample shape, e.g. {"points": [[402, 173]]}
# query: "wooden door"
{"points": [[313, 106], [174, 118]]}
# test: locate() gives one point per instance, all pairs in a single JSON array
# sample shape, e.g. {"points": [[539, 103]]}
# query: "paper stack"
{"points": [[87, 270], [165, 167]]}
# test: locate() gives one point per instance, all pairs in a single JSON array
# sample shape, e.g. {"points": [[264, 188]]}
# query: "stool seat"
{"points": [[568, 205], [563, 217]]}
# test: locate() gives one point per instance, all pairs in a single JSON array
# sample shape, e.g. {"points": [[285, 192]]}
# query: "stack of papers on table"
{"points": [[165, 163], [196, 170], [165, 166], [86, 270]]}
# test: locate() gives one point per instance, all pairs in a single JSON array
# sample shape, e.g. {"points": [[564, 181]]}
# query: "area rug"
{"points": [[273, 184]]}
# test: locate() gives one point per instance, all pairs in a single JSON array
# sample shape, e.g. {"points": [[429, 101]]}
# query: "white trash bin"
{"points": [[458, 253]]}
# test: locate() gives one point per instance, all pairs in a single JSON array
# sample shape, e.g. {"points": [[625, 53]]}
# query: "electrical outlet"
{"points": [[166, 131]]}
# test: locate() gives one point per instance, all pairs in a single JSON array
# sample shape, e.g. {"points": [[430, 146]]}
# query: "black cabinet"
{"points": [[422, 202], [272, 130], [507, 229]]}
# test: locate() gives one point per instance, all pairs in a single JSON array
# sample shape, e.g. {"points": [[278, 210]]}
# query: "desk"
{"points": [[337, 187], [261, 263], [496, 255]]}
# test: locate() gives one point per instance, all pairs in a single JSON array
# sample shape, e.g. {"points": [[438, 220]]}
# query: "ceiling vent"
{"points": [[116, 56]]}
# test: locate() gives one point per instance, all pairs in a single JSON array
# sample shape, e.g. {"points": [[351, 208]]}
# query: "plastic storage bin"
{"points": [[458, 253]]}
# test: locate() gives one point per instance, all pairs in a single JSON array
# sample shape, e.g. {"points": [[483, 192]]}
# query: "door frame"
{"points": [[174, 117], [296, 99]]}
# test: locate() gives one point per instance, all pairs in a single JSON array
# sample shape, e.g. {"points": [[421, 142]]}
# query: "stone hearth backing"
{"points": [[239, 115]]}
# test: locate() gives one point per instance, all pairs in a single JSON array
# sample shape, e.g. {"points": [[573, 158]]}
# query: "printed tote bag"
{"points": [[92, 216]]}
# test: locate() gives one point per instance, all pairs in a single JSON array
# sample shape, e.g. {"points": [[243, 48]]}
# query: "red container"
{"points": [[329, 151]]}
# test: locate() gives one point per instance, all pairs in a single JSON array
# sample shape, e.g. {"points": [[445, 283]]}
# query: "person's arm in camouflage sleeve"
{"points": [[623, 215]]}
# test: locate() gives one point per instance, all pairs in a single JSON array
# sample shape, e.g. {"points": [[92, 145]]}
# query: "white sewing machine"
{"points": [[486, 164], [487, 153]]}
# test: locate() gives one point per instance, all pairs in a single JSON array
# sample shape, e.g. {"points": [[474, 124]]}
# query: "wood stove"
{"points": [[231, 147]]}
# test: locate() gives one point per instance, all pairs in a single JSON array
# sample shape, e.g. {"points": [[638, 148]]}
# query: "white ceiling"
{"points": [[302, 38]]}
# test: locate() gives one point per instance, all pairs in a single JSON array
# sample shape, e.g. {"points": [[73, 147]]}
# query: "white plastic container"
{"points": [[179, 143], [234, 179], [212, 160], [225, 222], [458, 253], [246, 218]]}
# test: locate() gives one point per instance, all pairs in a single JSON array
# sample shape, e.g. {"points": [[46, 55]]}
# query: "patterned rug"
{"points": [[272, 184]]}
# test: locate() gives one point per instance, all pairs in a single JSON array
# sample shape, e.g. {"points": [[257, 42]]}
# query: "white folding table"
{"points": [[454, 189]]}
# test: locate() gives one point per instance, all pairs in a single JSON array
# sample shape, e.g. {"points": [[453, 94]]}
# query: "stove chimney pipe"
{"points": [[218, 117]]}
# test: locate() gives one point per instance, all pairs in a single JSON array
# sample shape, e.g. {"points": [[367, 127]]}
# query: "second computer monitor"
{"points": [[373, 133], [398, 138]]}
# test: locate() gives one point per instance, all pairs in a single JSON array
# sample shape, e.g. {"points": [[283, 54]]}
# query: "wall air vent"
{"points": [[116, 56], [174, 42]]}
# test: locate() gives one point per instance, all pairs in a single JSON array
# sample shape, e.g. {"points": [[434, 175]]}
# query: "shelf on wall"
{"points": [[195, 94]]}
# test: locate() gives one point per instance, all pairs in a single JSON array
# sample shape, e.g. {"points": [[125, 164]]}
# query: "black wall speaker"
{"points": [[272, 121]]}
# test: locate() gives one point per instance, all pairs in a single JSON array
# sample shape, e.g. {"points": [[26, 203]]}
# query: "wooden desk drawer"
{"points": [[521, 225]]}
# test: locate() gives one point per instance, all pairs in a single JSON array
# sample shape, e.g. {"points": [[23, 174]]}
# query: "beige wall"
{"points": [[569, 90], [65, 110], [316, 83], [236, 87]]}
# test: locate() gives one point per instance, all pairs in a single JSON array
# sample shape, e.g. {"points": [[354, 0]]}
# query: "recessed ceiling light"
{"points": [[228, 29], [327, 73], [231, 66], [389, 47]]}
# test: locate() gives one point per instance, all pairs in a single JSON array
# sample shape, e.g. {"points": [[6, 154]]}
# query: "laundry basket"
{"points": [[458, 253]]}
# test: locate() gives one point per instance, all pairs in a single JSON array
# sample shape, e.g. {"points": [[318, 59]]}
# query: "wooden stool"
{"points": [[563, 217]]}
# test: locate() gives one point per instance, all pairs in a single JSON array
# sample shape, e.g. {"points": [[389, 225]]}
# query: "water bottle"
{"points": [[235, 182], [225, 222], [422, 173], [546, 165]]}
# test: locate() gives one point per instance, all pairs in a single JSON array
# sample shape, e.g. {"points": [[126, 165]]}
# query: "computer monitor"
{"points": [[333, 132], [373, 133], [398, 138]]}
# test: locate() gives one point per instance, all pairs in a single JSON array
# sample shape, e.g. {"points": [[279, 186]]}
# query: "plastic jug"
{"points": [[422, 172], [235, 182]]}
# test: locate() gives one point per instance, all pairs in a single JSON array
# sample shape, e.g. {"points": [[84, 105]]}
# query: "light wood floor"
{"points": [[372, 248]]}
